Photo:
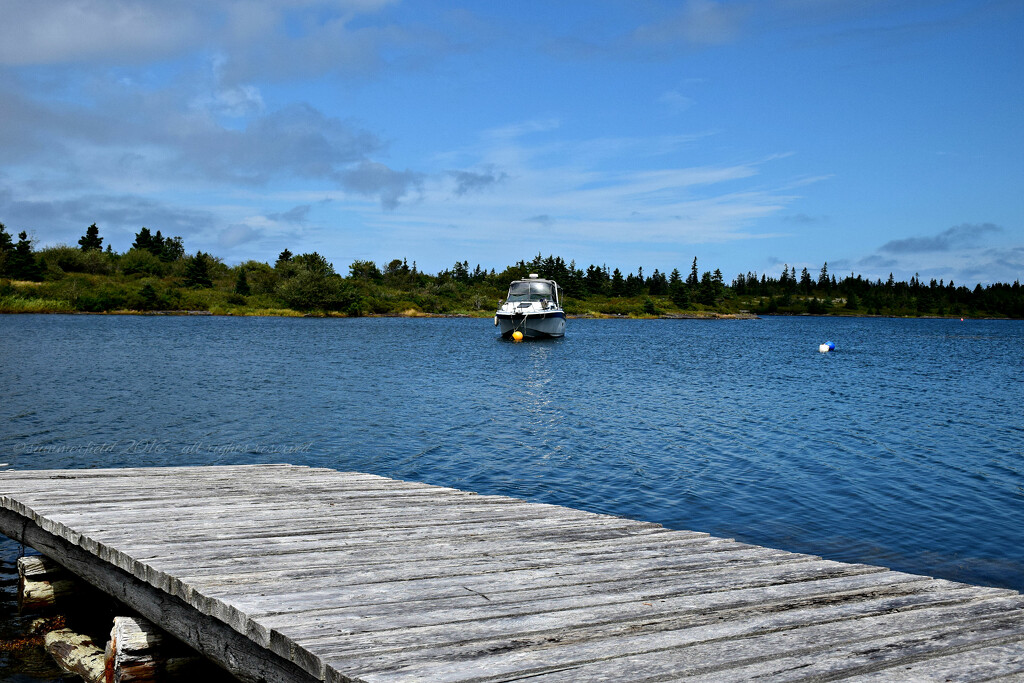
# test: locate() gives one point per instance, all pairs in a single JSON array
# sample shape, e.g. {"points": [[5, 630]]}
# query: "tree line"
{"points": [[156, 273]]}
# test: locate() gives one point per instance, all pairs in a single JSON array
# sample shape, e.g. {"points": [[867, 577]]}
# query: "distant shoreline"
{"points": [[703, 315]]}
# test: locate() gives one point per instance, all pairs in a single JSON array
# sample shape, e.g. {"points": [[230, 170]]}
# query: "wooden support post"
{"points": [[139, 652], [42, 584], [77, 654]]}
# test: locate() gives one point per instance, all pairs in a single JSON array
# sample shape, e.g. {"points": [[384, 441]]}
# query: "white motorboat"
{"points": [[533, 307]]}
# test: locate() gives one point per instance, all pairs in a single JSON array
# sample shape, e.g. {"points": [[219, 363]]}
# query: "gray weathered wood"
{"points": [[77, 654], [140, 652], [291, 573], [43, 585]]}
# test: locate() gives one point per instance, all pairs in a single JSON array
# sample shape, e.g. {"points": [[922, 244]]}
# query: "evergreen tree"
{"points": [[242, 284], [596, 279], [657, 285], [6, 247], [691, 279], [148, 296], [91, 241], [197, 271], [21, 262], [679, 293], [6, 244], [805, 281], [173, 249], [367, 270], [156, 245], [718, 284], [618, 283], [706, 290], [284, 266], [143, 240]]}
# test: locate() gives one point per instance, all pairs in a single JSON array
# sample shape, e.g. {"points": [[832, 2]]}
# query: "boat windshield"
{"points": [[530, 291]]}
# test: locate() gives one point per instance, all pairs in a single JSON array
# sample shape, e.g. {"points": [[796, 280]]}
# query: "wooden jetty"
{"points": [[286, 573]]}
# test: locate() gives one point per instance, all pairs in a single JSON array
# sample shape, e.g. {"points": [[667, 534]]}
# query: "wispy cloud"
{"points": [[237, 235], [105, 31], [475, 181], [696, 22], [674, 101], [566, 193], [372, 178], [958, 236], [68, 214], [961, 252], [297, 214], [162, 140], [269, 39]]}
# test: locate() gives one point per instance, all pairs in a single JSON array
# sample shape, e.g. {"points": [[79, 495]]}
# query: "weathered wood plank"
{"points": [[541, 615], [718, 649], [305, 572], [997, 662]]}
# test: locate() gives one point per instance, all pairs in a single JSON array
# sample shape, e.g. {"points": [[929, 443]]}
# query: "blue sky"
{"points": [[879, 136]]}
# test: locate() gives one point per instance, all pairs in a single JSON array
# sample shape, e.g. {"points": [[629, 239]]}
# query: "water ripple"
{"points": [[904, 447]]}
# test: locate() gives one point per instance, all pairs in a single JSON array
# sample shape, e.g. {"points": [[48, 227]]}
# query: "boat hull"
{"points": [[532, 325]]}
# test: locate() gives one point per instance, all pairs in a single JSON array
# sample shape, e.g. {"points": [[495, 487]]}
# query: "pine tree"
{"points": [[173, 249], [156, 246], [691, 280], [6, 244], [706, 294], [197, 271], [143, 240], [148, 296], [805, 281], [6, 247], [679, 293], [21, 262], [242, 284], [91, 241]]}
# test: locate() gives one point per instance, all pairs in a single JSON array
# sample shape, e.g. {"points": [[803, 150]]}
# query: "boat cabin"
{"points": [[533, 290]]}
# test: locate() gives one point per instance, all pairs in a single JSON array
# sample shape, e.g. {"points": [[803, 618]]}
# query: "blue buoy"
{"points": [[826, 347]]}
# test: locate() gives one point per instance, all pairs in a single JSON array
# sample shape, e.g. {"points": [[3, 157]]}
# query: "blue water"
{"points": [[902, 448]]}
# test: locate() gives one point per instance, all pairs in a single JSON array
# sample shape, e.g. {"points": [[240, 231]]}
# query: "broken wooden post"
{"points": [[139, 652], [42, 583]]}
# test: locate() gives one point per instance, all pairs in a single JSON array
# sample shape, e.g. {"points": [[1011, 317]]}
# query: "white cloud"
{"points": [[675, 102], [696, 22], [571, 196], [236, 235], [270, 39], [59, 31]]}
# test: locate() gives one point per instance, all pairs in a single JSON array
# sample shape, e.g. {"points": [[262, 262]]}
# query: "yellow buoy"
{"points": [[517, 335]]}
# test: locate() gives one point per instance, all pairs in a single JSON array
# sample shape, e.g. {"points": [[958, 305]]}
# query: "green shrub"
{"points": [[105, 297], [262, 278], [65, 259], [142, 262]]}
